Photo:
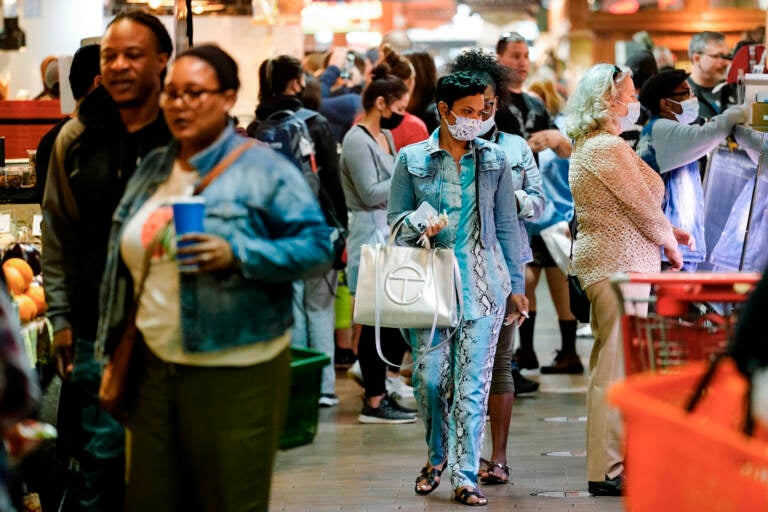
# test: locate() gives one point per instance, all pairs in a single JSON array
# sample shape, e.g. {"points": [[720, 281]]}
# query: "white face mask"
{"points": [[465, 128], [628, 121], [487, 125], [690, 110]]}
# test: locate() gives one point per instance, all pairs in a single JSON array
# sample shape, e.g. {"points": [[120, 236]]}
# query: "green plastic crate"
{"points": [[301, 420]]}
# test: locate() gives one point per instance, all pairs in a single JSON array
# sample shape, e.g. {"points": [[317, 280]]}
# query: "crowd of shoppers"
{"points": [[499, 157]]}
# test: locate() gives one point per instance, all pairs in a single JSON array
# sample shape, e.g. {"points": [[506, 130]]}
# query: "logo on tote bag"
{"points": [[404, 285]]}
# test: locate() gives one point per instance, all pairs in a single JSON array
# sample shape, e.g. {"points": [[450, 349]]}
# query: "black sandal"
{"points": [[429, 476], [464, 496], [490, 478]]}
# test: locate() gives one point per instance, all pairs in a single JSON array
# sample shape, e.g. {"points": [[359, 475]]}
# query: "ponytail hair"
{"points": [[383, 84], [275, 74], [398, 65]]}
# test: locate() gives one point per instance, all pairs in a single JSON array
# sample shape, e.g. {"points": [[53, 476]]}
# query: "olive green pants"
{"points": [[204, 439]]}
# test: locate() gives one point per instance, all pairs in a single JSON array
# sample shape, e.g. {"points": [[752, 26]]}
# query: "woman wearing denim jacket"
{"points": [[214, 370], [529, 197], [469, 180]]}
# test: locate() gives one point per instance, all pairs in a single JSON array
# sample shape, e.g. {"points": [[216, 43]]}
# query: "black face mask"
{"points": [[391, 122]]}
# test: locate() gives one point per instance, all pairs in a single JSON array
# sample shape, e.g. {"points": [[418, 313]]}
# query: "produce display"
{"points": [[21, 269]]}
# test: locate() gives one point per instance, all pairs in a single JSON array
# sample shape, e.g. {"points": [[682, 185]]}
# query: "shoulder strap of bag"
{"points": [[573, 226], [212, 175], [147, 258], [222, 166]]}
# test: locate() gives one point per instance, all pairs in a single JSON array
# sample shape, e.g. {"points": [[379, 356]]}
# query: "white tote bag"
{"points": [[407, 288]]}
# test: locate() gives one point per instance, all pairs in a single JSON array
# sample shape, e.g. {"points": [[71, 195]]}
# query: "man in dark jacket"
{"points": [[93, 157]]}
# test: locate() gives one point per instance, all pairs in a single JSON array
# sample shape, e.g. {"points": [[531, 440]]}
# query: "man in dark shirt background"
{"points": [[527, 117]]}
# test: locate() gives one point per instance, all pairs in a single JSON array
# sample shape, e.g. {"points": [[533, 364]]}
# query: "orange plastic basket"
{"points": [[699, 461], [669, 336]]}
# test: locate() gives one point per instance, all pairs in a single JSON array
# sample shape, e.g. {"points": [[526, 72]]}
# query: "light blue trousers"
{"points": [[451, 387], [314, 321]]}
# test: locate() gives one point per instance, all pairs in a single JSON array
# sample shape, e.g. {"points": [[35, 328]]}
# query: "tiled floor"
{"points": [[354, 467]]}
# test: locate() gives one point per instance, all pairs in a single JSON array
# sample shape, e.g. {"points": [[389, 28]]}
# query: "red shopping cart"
{"points": [[678, 460], [691, 316]]}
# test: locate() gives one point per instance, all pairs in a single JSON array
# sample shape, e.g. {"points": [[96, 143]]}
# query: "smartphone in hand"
{"points": [[418, 219]]}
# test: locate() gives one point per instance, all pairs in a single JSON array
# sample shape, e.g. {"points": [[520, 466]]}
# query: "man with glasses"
{"points": [[710, 58], [93, 157], [672, 146]]}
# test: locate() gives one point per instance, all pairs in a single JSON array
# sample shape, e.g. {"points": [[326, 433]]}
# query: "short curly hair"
{"points": [[588, 108], [456, 86], [483, 62]]}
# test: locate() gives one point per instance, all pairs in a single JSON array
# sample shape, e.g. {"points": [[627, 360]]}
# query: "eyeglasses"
{"points": [[488, 107], [687, 94], [722, 56], [190, 98]]}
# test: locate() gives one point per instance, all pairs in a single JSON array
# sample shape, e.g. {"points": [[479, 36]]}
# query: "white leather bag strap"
{"points": [[458, 289]]}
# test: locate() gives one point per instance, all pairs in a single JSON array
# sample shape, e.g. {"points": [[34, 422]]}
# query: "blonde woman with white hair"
{"points": [[621, 227]]}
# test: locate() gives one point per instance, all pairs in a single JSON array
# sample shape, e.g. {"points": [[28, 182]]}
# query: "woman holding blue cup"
{"points": [[214, 363]]}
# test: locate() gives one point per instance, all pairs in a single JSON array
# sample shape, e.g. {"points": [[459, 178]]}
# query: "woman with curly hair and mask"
{"points": [[468, 179], [617, 198], [529, 201]]}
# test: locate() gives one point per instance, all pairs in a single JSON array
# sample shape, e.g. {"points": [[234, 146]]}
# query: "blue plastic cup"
{"points": [[188, 214]]}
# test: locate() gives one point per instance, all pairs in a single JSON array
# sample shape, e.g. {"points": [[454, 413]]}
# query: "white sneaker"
{"points": [[328, 400], [355, 374], [401, 392], [584, 331]]}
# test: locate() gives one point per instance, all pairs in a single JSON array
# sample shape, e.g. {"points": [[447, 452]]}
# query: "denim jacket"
{"points": [[262, 206], [531, 201], [420, 175]]}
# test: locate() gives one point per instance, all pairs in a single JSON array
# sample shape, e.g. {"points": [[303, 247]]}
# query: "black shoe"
{"points": [[564, 363], [523, 385], [386, 412], [608, 487], [526, 359], [343, 358]]}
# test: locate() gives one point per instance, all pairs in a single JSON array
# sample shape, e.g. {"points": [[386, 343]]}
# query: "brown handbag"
{"points": [[119, 372]]}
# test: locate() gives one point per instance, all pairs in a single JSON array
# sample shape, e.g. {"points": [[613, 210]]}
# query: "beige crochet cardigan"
{"points": [[618, 205]]}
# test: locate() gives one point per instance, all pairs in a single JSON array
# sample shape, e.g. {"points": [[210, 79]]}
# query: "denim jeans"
{"points": [[314, 321], [100, 442]]}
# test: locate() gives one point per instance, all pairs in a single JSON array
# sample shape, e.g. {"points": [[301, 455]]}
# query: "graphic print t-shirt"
{"points": [[159, 314]]}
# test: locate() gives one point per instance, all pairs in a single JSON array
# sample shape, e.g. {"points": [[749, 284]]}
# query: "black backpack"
{"points": [[286, 132]]}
